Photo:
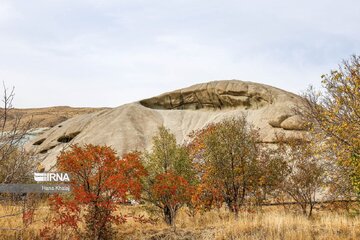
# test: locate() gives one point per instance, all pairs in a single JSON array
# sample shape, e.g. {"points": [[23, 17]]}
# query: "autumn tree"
{"points": [[100, 181], [168, 185], [335, 115], [206, 195], [272, 170], [307, 172], [229, 153]]}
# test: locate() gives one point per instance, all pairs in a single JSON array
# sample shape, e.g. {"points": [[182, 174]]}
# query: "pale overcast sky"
{"points": [[107, 53]]}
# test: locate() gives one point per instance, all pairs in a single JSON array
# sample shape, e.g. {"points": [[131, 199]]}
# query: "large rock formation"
{"points": [[132, 126]]}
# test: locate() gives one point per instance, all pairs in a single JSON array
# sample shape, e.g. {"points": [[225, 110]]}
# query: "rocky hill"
{"points": [[132, 126], [46, 117]]}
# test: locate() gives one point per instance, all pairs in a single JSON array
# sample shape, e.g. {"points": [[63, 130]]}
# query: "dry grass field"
{"points": [[267, 223]]}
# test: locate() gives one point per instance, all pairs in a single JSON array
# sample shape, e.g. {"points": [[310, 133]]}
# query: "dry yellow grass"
{"points": [[270, 223], [12, 228]]}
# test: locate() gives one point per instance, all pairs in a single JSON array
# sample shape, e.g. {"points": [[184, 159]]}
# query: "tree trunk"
{"points": [[235, 209], [311, 209], [168, 216], [304, 208], [236, 212]]}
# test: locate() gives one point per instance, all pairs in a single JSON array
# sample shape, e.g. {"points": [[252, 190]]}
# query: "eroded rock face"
{"points": [[131, 127], [218, 95]]}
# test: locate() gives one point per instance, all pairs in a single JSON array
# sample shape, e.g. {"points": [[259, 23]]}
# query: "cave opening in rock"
{"points": [[68, 137]]}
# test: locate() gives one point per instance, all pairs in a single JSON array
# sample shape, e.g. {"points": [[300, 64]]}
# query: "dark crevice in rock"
{"points": [[47, 149], [295, 130], [235, 93], [171, 102], [39, 142], [198, 100], [220, 102], [68, 137]]}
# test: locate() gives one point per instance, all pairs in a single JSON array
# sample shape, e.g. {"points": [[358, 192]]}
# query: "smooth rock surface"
{"points": [[131, 127]]}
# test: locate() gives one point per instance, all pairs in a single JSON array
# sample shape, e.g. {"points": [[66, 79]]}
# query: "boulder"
{"points": [[295, 122]]}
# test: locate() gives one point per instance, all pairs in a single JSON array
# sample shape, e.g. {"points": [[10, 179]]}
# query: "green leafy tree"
{"points": [[170, 175]]}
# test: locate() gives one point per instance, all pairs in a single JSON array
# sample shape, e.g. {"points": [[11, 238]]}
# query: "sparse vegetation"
{"points": [[306, 172], [15, 162], [224, 184]]}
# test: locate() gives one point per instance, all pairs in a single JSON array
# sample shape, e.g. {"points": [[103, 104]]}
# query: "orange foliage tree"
{"points": [[169, 192], [206, 194], [100, 181]]}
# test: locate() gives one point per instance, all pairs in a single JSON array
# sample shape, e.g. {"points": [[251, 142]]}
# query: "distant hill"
{"points": [[46, 117]]}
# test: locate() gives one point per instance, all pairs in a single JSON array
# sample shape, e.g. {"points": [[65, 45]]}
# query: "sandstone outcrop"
{"points": [[225, 94], [131, 127]]}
